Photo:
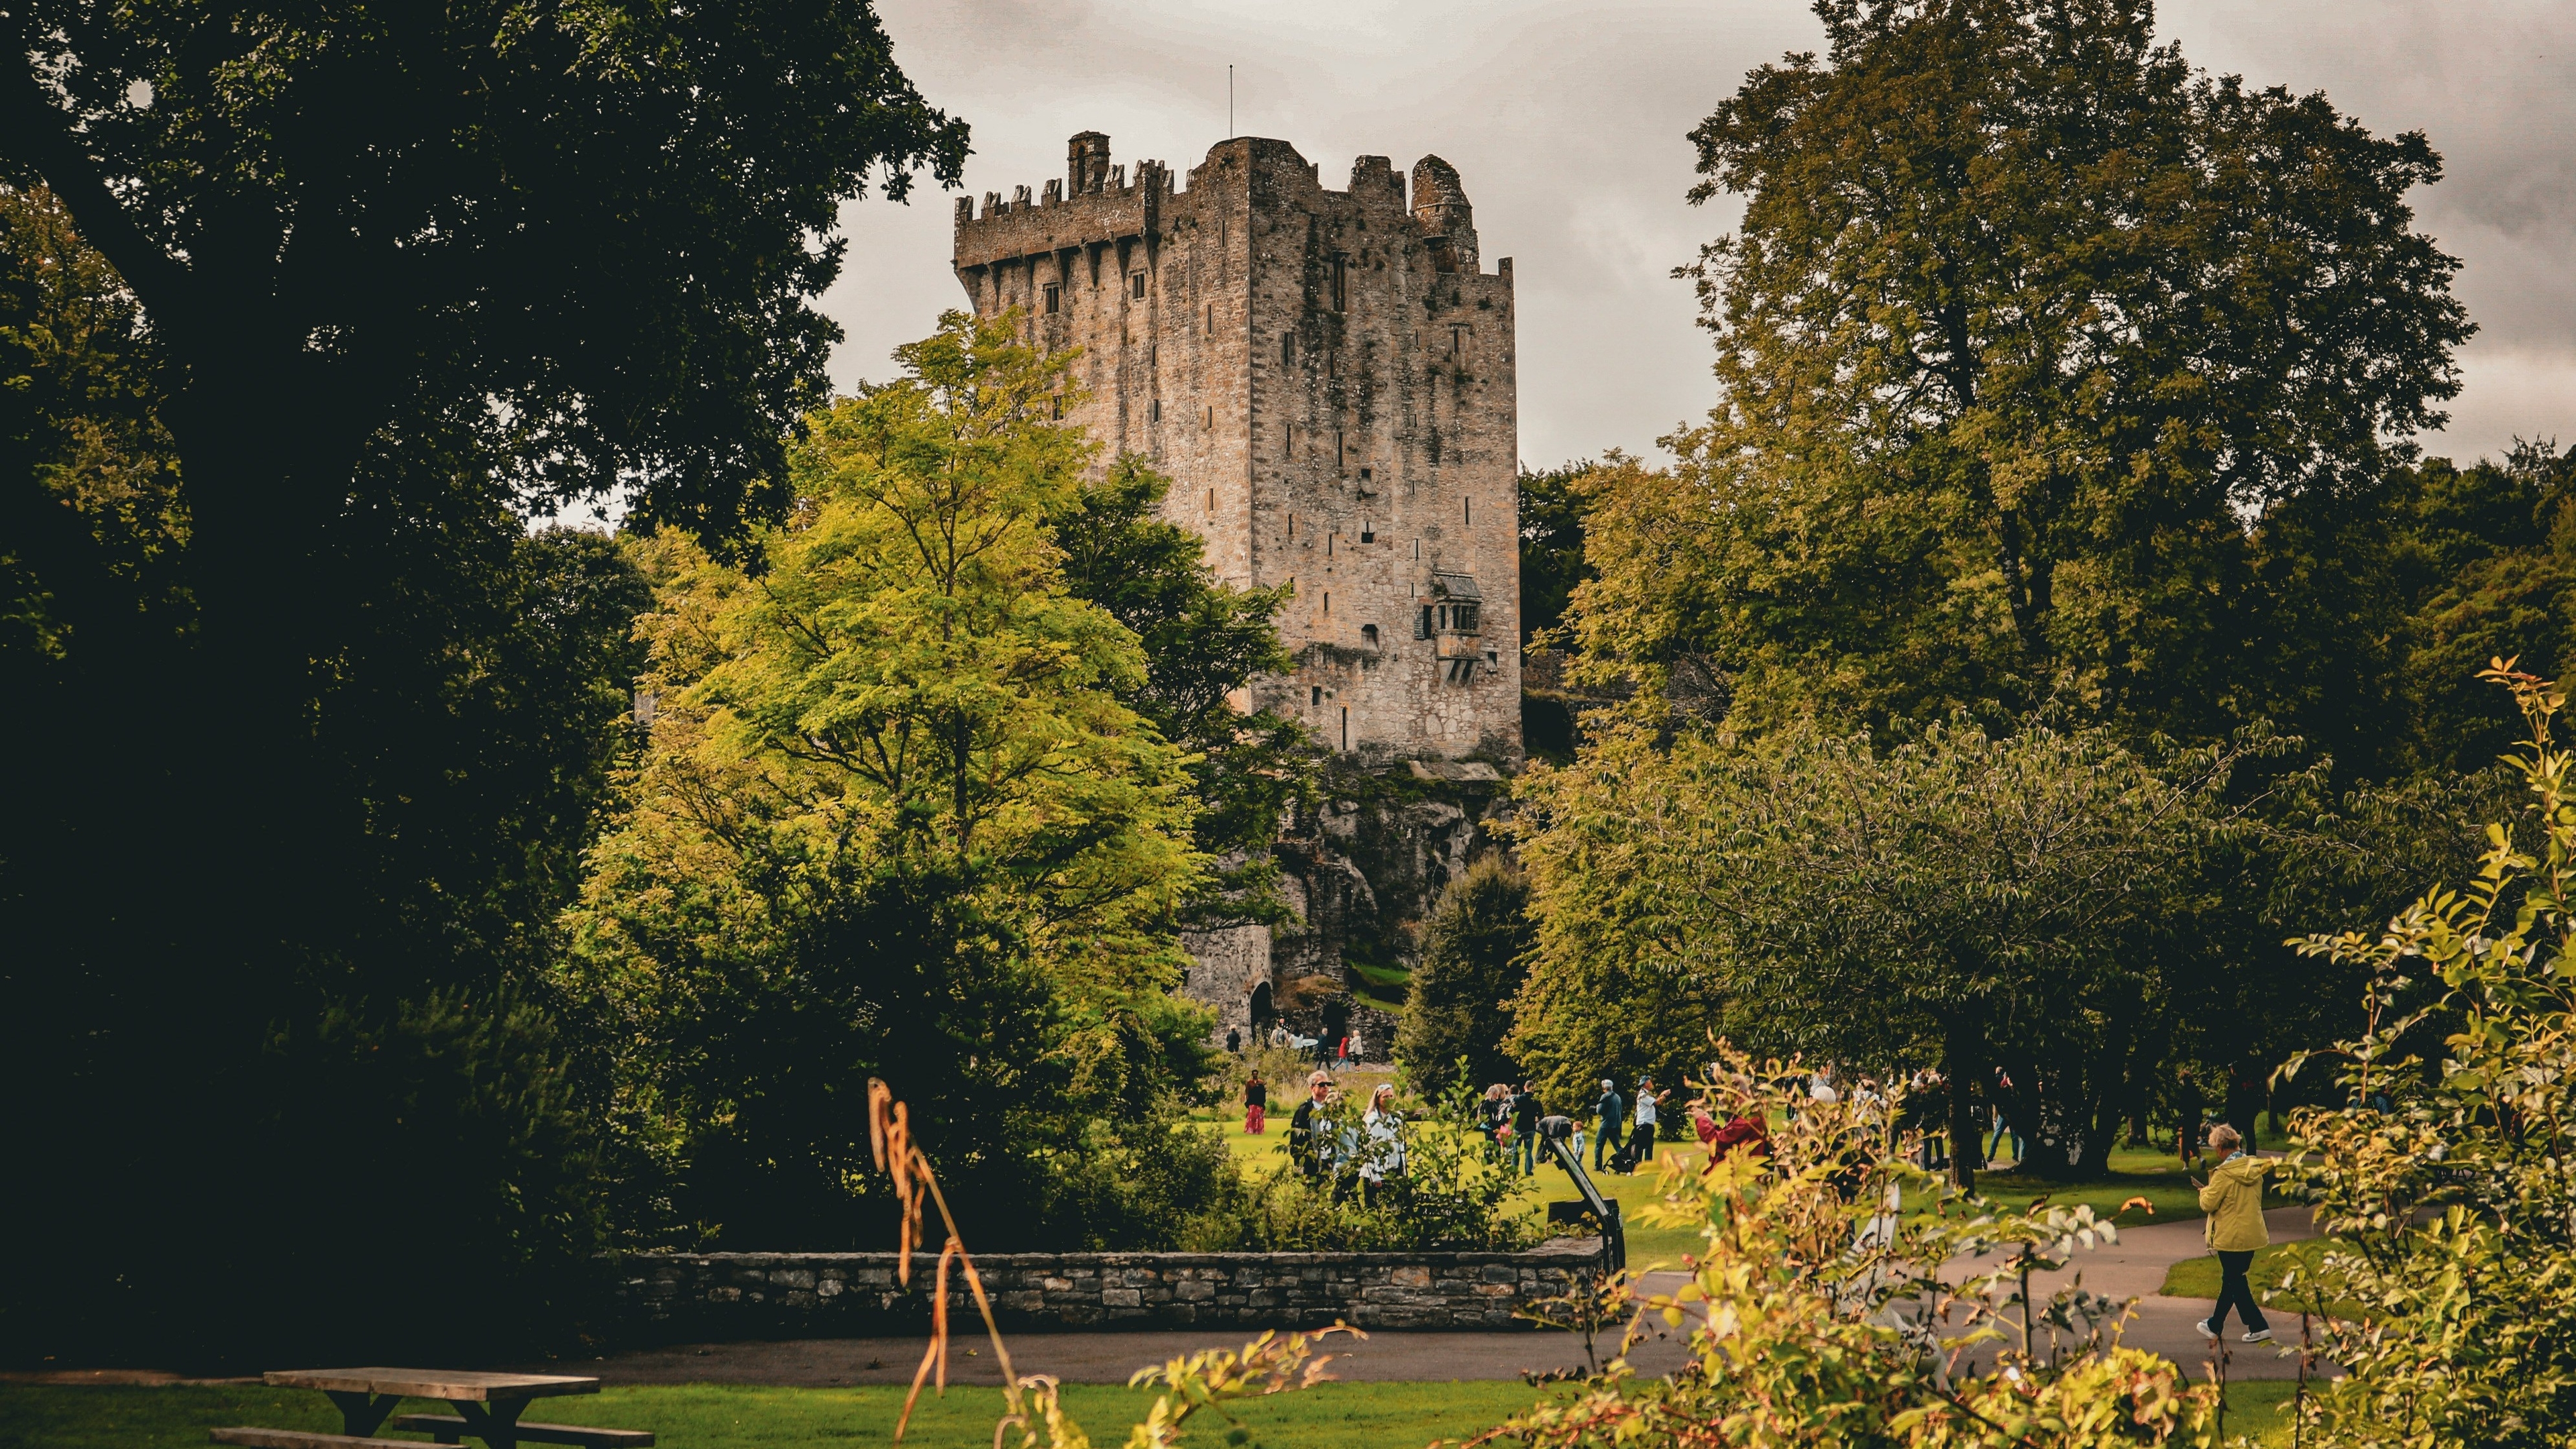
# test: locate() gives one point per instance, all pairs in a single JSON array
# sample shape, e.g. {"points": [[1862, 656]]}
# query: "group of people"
{"points": [[1345, 1049], [1508, 1119], [1368, 1153]]}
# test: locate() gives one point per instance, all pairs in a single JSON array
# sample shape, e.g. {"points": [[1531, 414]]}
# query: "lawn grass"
{"points": [[721, 1416]]}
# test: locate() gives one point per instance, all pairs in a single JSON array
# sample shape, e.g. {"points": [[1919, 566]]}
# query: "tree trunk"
{"points": [[1962, 1059]]}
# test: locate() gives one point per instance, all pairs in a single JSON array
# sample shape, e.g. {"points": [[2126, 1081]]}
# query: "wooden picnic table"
{"points": [[488, 1405]]}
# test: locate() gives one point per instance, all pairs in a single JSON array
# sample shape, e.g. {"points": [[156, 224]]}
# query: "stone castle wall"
{"points": [[732, 1296], [1329, 378]]}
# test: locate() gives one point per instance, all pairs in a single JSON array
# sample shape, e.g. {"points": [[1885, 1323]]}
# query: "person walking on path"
{"points": [[1614, 1110], [1256, 1104], [2233, 1199], [1641, 1137], [1525, 1114]]}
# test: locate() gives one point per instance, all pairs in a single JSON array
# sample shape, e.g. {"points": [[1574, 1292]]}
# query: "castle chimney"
{"points": [[1086, 163]]}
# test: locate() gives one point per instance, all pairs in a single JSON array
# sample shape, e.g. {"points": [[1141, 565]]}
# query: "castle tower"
{"points": [[1328, 378]]}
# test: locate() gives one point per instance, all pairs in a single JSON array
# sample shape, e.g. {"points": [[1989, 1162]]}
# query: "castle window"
{"points": [[1211, 415], [1340, 454], [1368, 530], [1369, 633], [1050, 299], [1315, 696], [1422, 626], [1211, 500], [1341, 283], [1287, 349], [1328, 603], [1136, 286], [1462, 617], [1057, 403], [1154, 410], [1470, 509], [1346, 727]]}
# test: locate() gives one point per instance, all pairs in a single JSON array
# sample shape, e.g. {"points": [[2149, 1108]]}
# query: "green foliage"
{"points": [[1473, 959], [2027, 900], [897, 821], [354, 293], [1552, 506], [2023, 319], [1818, 1316], [1204, 641], [2442, 1186]]}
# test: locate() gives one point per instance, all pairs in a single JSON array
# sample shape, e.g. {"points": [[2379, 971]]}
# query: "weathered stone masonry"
{"points": [[1329, 379], [721, 1296]]}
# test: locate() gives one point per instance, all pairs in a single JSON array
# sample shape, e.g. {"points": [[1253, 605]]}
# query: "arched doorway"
{"points": [[1337, 1023], [1264, 1015]]}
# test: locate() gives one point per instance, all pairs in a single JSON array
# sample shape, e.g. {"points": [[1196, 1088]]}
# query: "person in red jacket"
{"points": [[1741, 1131]]}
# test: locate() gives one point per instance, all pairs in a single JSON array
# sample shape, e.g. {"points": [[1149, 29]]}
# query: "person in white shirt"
{"points": [[1382, 1154], [1641, 1136]]}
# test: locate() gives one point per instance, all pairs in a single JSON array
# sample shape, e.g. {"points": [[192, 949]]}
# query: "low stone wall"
{"points": [[721, 1296]]}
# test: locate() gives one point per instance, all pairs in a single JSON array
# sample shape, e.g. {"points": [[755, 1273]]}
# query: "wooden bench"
{"points": [[299, 1439], [450, 1429]]}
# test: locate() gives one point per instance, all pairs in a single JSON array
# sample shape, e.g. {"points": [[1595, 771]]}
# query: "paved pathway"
{"points": [[2133, 1267]]}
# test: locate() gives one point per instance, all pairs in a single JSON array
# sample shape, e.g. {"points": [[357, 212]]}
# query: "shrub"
{"points": [[1819, 1316], [1474, 959], [2443, 1187]]}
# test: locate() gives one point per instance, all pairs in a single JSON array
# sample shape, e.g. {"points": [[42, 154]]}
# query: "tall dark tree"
{"points": [[1475, 955], [382, 283]]}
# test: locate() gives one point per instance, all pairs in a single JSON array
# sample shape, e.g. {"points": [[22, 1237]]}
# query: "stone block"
{"points": [[1121, 1298]]}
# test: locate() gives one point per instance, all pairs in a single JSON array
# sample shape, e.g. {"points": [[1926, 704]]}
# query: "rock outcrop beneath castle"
{"points": [[1363, 871]]}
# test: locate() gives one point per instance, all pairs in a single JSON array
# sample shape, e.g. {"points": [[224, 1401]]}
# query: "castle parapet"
{"points": [[1093, 206]]}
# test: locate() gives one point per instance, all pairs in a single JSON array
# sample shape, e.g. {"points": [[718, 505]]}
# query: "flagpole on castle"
{"points": [[1229, 103]]}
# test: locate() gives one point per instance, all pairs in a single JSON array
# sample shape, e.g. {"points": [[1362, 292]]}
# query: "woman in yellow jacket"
{"points": [[2233, 1200]]}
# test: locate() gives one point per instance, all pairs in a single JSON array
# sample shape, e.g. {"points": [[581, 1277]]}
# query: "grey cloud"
{"points": [[1569, 125]]}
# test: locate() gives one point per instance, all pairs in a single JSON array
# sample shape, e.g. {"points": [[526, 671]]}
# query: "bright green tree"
{"points": [[897, 821], [2024, 319], [1204, 642]]}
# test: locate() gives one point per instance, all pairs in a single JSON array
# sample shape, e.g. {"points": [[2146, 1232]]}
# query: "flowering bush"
{"points": [[1846, 1297]]}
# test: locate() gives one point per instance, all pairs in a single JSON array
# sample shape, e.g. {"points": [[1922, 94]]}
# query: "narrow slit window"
{"points": [[1328, 603], [1211, 500], [1341, 453], [1341, 283], [1136, 286], [1346, 727], [1211, 415], [1368, 530], [1315, 695], [1154, 410], [1287, 349], [1422, 625], [1211, 322], [1050, 299], [1471, 510]]}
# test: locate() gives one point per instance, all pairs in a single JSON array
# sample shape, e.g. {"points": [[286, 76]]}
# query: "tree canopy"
{"points": [[2024, 320]]}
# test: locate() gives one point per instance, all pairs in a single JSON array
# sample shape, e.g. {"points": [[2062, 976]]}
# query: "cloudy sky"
{"points": [[1568, 123]]}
